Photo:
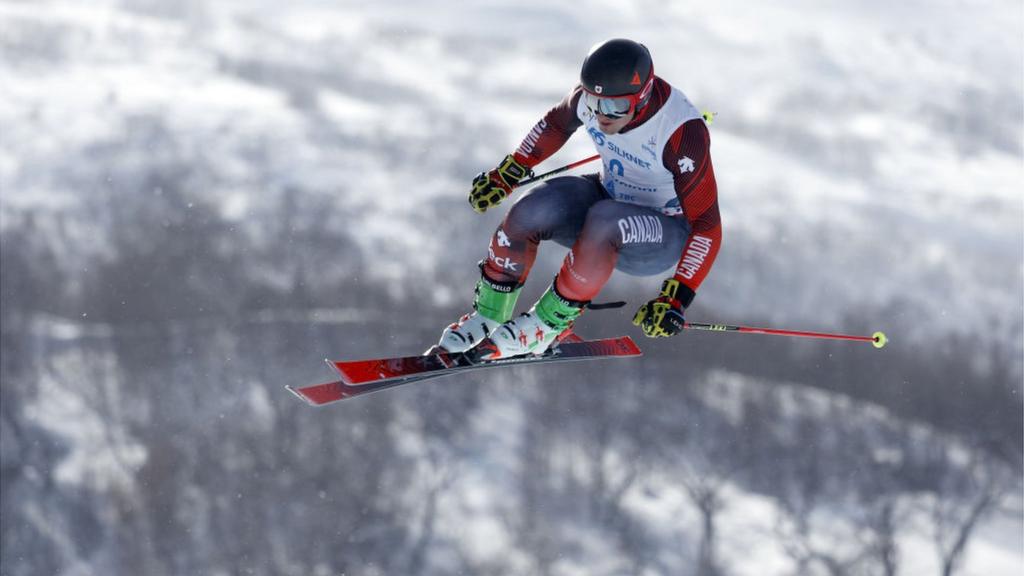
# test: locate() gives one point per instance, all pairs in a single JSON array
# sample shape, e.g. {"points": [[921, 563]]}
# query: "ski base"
{"points": [[361, 377]]}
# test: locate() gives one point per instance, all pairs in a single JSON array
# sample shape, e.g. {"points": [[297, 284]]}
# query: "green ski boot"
{"points": [[534, 331], [493, 305]]}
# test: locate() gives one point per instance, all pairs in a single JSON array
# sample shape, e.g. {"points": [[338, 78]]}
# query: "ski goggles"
{"points": [[618, 106], [612, 107]]}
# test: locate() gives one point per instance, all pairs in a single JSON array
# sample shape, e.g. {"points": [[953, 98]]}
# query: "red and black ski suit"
{"points": [[653, 207]]}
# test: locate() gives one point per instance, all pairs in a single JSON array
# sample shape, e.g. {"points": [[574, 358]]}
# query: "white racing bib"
{"points": [[632, 168]]}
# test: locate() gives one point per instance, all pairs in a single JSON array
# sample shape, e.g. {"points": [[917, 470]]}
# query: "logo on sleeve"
{"points": [[685, 165], [527, 146], [693, 258]]}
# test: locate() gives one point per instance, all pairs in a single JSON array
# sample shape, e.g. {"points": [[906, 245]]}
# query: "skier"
{"points": [[653, 207]]}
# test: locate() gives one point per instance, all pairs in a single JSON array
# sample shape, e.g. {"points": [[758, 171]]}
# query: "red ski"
{"points": [[362, 377]]}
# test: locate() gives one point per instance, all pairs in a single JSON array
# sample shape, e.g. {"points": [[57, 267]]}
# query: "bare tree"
{"points": [[961, 502], [705, 492]]}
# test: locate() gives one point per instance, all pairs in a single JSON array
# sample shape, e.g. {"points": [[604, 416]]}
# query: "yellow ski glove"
{"points": [[490, 188], [662, 316]]}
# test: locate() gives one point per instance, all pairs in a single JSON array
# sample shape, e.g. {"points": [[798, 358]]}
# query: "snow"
{"points": [[103, 454]]}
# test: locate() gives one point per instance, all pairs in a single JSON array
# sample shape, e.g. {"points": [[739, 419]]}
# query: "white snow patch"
{"points": [[102, 455]]}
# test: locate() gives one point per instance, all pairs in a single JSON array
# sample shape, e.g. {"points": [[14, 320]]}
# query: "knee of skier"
{"points": [[531, 215], [602, 223]]}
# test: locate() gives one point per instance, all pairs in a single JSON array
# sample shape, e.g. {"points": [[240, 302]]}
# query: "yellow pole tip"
{"points": [[879, 340]]}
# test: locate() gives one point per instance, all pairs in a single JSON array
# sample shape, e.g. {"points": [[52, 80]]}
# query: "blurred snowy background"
{"points": [[200, 200]]}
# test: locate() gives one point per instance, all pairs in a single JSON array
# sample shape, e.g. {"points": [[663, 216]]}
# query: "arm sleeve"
{"points": [[552, 132], [688, 156]]}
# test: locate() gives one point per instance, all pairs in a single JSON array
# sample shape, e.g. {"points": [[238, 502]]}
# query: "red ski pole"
{"points": [[558, 170], [877, 339]]}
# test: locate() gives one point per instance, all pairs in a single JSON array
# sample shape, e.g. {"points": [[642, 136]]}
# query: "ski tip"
{"points": [[299, 394], [319, 394], [333, 365]]}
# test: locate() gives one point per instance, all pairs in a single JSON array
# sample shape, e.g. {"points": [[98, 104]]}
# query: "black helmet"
{"points": [[619, 67]]}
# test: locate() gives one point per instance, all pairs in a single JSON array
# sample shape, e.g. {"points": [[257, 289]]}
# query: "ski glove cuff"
{"points": [[663, 316], [490, 188]]}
